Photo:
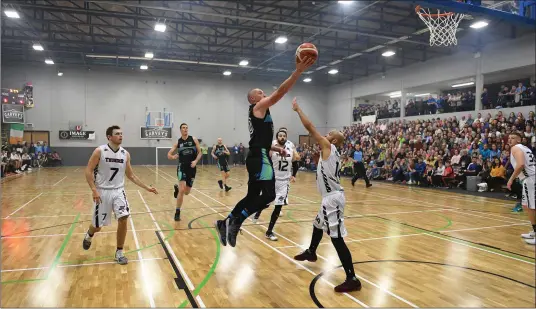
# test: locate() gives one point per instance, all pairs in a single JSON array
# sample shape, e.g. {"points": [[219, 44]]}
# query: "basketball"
{"points": [[306, 50]]}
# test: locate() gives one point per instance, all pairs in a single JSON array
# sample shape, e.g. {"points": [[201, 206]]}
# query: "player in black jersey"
{"points": [[220, 153], [261, 183], [188, 153]]}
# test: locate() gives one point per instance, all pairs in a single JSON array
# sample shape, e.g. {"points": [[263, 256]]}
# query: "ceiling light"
{"points": [[281, 40], [60, 73], [149, 55], [244, 63], [143, 67], [227, 73], [38, 47], [49, 61], [479, 24], [160, 27], [422, 94], [463, 84], [345, 2], [333, 71], [395, 96], [307, 80], [12, 14], [388, 53]]}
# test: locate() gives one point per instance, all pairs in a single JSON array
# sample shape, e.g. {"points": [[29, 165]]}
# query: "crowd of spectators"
{"points": [[20, 157], [514, 96], [448, 102], [434, 153]]}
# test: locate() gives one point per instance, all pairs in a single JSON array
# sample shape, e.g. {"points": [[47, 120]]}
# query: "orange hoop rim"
{"points": [[418, 8]]}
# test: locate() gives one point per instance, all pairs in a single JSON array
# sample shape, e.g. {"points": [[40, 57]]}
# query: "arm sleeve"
{"points": [[295, 167]]}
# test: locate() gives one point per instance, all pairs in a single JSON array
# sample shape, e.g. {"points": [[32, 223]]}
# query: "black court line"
{"points": [[315, 279], [448, 236], [179, 281]]}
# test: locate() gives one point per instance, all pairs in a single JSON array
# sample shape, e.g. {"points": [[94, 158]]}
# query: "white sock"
{"points": [[119, 252], [90, 238]]}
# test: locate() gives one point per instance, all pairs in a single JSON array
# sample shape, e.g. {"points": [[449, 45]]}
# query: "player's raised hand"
{"points": [[304, 64], [295, 106], [152, 190]]}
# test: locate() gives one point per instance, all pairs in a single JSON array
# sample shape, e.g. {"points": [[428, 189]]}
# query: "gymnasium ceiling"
{"points": [[214, 36]]}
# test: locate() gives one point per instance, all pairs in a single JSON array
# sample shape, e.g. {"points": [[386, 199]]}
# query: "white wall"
{"points": [[212, 107], [505, 55]]}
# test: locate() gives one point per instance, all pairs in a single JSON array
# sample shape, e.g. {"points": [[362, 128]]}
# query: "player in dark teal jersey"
{"points": [[188, 153], [220, 153], [261, 184]]}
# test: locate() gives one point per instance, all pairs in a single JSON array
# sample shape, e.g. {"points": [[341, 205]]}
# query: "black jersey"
{"points": [[261, 131], [220, 153], [186, 149]]}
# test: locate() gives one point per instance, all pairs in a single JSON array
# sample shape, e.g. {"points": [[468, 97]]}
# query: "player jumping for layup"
{"points": [[330, 217], [188, 153], [220, 153], [524, 164], [284, 174], [261, 183], [105, 174]]}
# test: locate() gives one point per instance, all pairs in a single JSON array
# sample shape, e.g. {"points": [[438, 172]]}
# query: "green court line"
{"points": [[212, 268], [56, 259], [171, 232]]}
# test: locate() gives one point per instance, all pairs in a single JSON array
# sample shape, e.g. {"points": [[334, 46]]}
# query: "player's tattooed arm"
{"points": [[130, 175], [170, 154]]}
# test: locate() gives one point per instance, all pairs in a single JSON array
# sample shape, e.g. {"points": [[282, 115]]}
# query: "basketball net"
{"points": [[442, 26]]}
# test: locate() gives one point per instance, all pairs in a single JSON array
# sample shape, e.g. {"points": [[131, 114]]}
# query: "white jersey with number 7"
{"points": [[110, 172]]}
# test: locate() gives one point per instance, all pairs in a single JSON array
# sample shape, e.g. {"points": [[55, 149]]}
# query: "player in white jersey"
{"points": [[524, 163], [330, 217], [284, 174], [105, 174]]}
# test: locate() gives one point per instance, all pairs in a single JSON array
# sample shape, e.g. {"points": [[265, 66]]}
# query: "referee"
{"points": [[359, 167]]}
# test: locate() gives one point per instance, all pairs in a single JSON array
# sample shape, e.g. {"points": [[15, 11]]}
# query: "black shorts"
{"points": [[186, 173], [223, 166], [259, 166]]}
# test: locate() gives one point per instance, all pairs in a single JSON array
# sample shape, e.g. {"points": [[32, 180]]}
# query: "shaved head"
{"points": [[336, 138], [255, 95]]}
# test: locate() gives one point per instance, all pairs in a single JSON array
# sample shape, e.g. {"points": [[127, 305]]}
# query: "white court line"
{"points": [[405, 235], [76, 169], [146, 285], [470, 246], [24, 205], [452, 208], [286, 256], [77, 265], [482, 228], [57, 235], [170, 249], [59, 181]]}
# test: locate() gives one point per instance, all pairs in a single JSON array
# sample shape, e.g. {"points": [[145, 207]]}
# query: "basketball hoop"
{"points": [[442, 26]]}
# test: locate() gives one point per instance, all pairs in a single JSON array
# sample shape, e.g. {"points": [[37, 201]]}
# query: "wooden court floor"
{"points": [[411, 247]]}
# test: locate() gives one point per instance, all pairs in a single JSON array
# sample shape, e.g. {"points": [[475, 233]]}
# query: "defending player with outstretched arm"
{"points": [[330, 217], [105, 174], [188, 154]]}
